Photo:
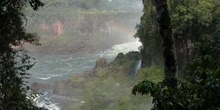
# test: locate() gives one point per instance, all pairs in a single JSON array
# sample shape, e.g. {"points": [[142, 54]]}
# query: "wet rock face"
{"points": [[101, 62]]}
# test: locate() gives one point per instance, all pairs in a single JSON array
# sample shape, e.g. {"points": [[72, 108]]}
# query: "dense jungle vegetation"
{"points": [[195, 31]]}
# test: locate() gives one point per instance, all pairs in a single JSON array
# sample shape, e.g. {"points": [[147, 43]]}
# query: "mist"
{"points": [[90, 25], [83, 43]]}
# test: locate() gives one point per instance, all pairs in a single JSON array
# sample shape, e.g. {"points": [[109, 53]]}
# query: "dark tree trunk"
{"points": [[166, 33]]}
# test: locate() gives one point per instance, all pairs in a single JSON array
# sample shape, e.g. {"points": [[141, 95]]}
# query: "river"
{"points": [[49, 68]]}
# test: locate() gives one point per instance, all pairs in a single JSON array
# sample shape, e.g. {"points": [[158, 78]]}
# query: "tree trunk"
{"points": [[165, 30]]}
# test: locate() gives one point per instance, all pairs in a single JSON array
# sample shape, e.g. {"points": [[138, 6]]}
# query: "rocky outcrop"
{"points": [[119, 56], [124, 58], [101, 62]]}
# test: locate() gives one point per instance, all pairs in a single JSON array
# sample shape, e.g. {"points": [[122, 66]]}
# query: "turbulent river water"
{"points": [[49, 68]]}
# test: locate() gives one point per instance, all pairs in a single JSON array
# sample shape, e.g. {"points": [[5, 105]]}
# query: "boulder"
{"points": [[122, 58], [101, 62]]}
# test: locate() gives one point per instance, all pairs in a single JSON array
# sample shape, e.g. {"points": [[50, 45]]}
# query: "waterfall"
{"points": [[138, 66]]}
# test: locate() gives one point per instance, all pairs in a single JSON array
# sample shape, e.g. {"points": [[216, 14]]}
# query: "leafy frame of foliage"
{"points": [[202, 91]]}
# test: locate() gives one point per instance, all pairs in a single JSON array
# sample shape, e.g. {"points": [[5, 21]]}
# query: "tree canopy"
{"points": [[191, 20], [14, 63], [195, 27]]}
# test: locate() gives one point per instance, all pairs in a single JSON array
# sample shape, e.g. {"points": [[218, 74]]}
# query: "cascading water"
{"points": [[138, 66]]}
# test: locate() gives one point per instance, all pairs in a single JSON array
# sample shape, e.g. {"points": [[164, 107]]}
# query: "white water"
{"points": [[137, 67], [46, 103], [50, 68], [124, 48], [49, 105]]}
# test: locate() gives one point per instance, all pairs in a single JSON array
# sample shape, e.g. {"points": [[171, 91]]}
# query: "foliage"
{"points": [[147, 32], [14, 63], [151, 73], [191, 19], [200, 92]]}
